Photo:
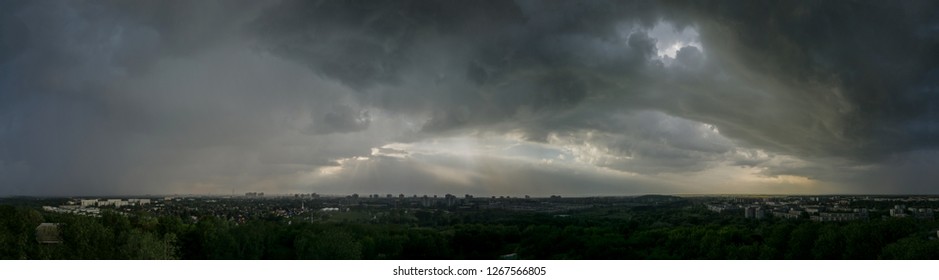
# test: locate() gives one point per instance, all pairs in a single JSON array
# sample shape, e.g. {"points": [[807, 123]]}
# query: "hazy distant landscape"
{"points": [[450, 227]]}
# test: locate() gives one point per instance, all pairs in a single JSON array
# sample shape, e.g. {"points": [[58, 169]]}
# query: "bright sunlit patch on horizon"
{"points": [[795, 180], [559, 152], [341, 164], [450, 174], [754, 175], [467, 160], [728, 178], [330, 170]]}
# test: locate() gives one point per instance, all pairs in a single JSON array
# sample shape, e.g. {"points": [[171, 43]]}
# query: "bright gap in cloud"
{"points": [[669, 40], [688, 156]]}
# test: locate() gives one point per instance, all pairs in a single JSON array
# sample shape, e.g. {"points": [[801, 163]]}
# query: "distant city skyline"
{"points": [[572, 98]]}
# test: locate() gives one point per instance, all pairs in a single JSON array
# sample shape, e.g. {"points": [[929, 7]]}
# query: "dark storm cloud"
{"points": [[99, 95], [847, 79], [650, 143], [814, 80], [340, 119], [102, 99], [473, 63], [863, 73]]}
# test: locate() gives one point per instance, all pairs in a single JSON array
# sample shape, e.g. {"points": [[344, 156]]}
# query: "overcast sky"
{"points": [[574, 98]]}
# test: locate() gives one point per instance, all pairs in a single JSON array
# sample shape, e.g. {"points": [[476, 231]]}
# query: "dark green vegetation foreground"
{"points": [[679, 231]]}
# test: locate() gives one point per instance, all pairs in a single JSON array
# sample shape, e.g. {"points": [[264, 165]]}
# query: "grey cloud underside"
{"points": [[860, 75], [852, 80], [100, 95], [341, 119], [428, 175]]}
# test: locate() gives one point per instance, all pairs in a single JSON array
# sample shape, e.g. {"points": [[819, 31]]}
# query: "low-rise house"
{"points": [[48, 233]]}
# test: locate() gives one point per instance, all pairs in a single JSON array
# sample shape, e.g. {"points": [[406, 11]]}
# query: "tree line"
{"points": [[635, 233]]}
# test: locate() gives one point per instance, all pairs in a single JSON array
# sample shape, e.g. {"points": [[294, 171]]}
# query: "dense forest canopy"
{"points": [[677, 230]]}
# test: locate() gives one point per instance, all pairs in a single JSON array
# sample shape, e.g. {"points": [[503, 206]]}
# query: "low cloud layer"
{"points": [[481, 97]]}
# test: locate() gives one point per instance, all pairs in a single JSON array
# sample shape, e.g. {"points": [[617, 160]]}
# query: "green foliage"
{"points": [[912, 248], [670, 232], [332, 244], [17, 227], [142, 245]]}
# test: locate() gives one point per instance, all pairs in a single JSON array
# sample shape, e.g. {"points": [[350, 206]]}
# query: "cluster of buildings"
{"points": [[117, 203], [854, 215], [469, 202], [818, 214], [901, 211], [91, 207], [819, 209], [241, 209], [73, 209]]}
